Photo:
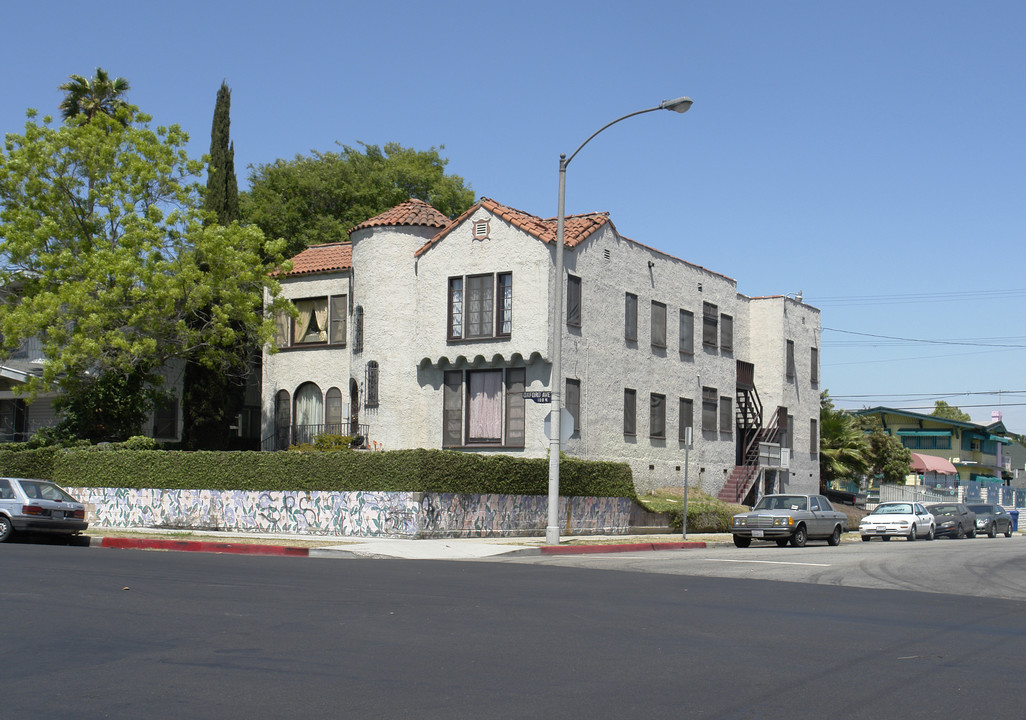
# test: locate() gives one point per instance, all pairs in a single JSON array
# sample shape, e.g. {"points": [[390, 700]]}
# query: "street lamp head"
{"points": [[681, 104]]}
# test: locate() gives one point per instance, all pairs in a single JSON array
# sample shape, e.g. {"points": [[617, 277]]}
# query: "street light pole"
{"points": [[680, 105]]}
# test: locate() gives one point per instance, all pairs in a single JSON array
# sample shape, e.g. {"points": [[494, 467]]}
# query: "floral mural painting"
{"points": [[348, 514]]}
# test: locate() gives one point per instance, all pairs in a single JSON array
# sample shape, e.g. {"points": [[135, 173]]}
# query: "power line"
{"points": [[926, 342]]}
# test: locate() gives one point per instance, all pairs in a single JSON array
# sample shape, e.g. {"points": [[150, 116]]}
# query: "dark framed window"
{"points": [[358, 329], [790, 360], [709, 408], [573, 300], [372, 384], [726, 414], [658, 324], [480, 306], [687, 332], [657, 416], [687, 417], [481, 407], [630, 412], [333, 411], [630, 317], [319, 321], [726, 333], [814, 366], [814, 437], [710, 322], [573, 402]]}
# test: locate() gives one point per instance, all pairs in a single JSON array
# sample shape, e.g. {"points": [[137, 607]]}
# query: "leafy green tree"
{"points": [[213, 396], [222, 196], [104, 258], [844, 448], [94, 96], [887, 458], [950, 412], [315, 200]]}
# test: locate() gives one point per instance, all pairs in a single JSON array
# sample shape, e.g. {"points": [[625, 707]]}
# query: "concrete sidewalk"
{"points": [[356, 547]]}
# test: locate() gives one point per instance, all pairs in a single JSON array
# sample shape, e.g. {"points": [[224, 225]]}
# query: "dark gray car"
{"points": [[38, 506], [954, 520], [992, 519]]}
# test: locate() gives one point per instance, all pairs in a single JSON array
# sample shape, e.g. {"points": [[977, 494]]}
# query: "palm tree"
{"points": [[93, 96], [844, 449]]}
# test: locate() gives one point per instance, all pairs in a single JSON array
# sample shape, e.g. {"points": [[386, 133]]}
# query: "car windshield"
{"points": [[893, 509], [942, 509], [37, 490], [783, 502], [980, 508]]}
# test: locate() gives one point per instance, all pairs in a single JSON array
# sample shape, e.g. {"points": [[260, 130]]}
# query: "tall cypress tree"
{"points": [[213, 398], [222, 186]]}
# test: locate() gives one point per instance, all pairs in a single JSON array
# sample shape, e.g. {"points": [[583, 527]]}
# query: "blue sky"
{"points": [[868, 154]]}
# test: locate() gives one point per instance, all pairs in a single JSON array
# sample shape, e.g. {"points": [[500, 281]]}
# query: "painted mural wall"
{"points": [[350, 514]]}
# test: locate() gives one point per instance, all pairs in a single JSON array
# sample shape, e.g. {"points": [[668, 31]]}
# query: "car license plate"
{"points": [[756, 533], [57, 515]]}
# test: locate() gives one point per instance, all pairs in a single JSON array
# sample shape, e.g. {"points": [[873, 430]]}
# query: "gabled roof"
{"points": [[879, 410], [576, 228], [330, 257], [412, 212]]}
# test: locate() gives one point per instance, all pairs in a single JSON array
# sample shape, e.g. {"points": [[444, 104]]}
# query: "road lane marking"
{"points": [[769, 562]]}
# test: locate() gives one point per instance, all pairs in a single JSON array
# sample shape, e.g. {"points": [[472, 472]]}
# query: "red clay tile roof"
{"points": [[576, 228], [322, 258], [411, 212]]}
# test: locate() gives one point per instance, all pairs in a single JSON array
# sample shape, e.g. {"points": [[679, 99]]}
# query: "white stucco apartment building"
{"points": [[424, 331]]}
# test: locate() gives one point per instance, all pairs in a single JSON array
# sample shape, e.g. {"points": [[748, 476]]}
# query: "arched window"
{"points": [[372, 384], [282, 420], [309, 413], [358, 329], [333, 411]]}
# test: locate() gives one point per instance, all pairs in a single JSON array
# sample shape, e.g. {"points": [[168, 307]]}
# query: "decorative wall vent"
{"points": [[481, 229], [606, 254]]}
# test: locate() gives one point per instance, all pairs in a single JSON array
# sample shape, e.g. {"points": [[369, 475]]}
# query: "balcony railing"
{"points": [[285, 437]]}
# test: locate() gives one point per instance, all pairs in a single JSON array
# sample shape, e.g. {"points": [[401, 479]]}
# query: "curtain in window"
{"points": [[485, 422], [306, 316], [321, 315], [309, 412]]}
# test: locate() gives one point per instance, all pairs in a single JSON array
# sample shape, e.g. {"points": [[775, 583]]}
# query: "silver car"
{"points": [[786, 518], [38, 506]]}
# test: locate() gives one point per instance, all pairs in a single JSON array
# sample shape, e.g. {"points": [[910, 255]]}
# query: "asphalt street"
{"points": [[126, 634]]}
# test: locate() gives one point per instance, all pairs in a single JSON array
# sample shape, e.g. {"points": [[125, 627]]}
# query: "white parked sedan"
{"points": [[909, 520]]}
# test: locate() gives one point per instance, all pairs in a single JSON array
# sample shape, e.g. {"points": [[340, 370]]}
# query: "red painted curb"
{"points": [[201, 546], [630, 547]]}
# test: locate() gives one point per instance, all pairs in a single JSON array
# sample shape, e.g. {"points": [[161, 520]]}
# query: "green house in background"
{"points": [[948, 453]]}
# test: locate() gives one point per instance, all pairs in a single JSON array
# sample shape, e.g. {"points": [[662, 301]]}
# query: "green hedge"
{"points": [[397, 470], [17, 460]]}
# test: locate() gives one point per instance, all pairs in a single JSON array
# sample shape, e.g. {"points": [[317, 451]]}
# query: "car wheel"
{"points": [[971, 533], [911, 534], [932, 534], [992, 530], [799, 537], [865, 538], [835, 539], [1008, 530], [6, 528], [781, 542], [742, 542], [959, 532]]}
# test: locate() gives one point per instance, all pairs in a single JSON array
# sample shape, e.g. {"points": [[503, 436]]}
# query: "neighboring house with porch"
{"points": [[948, 453], [424, 331]]}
